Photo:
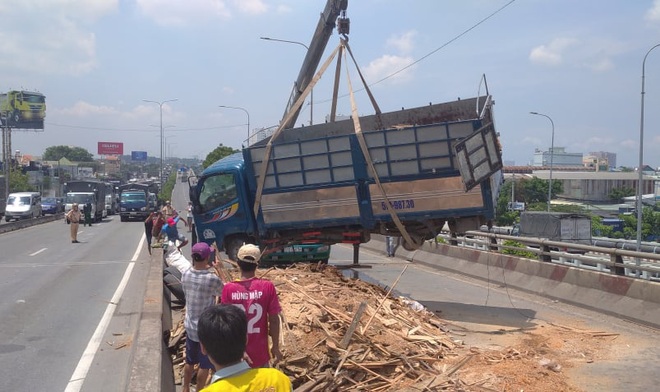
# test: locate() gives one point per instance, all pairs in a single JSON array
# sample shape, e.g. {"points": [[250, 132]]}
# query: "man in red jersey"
{"points": [[258, 299]]}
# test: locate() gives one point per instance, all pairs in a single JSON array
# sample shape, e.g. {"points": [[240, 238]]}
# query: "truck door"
{"points": [[221, 207], [478, 156]]}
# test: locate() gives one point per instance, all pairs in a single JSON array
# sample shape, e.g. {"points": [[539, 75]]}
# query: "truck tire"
{"points": [[17, 116], [232, 246], [123, 218]]}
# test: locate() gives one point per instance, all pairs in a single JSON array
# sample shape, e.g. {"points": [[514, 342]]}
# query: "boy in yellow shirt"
{"points": [[222, 331]]}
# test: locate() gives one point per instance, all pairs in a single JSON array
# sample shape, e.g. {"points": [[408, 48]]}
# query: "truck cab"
{"points": [[80, 198], [221, 207], [133, 204]]}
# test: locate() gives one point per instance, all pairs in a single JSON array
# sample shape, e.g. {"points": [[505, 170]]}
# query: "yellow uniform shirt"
{"points": [[252, 380]]}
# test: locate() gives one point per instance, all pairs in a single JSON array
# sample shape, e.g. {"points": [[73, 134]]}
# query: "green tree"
{"points": [[618, 194], [75, 154], [217, 154], [18, 182]]}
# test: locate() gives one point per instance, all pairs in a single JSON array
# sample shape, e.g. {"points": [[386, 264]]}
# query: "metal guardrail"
{"points": [[609, 260]]}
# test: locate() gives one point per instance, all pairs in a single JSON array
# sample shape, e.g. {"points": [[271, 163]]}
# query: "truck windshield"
{"points": [[80, 199], [217, 191], [131, 197], [34, 98]]}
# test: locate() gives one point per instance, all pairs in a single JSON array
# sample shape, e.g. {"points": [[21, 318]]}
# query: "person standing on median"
{"points": [[73, 217], [172, 232], [223, 337], [168, 211], [201, 288], [258, 299]]}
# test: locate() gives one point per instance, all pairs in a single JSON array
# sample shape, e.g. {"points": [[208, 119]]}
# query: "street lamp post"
{"points": [[641, 163], [248, 119], [311, 93], [162, 142], [552, 153]]}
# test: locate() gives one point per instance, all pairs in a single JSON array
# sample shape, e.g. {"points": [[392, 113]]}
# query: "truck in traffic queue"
{"points": [[80, 198], [433, 164], [134, 201], [23, 109], [556, 226], [98, 188]]}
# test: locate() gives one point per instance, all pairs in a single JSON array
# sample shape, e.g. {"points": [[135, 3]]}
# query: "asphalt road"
{"points": [[54, 297], [486, 315]]}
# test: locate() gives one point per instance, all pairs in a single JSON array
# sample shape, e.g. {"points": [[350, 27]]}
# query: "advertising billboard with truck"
{"points": [[110, 148], [23, 109]]}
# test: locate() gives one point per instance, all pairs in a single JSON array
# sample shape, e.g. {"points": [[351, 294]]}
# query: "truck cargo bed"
{"points": [[318, 176]]}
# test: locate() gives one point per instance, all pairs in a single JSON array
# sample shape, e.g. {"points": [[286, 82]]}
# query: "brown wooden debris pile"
{"points": [[344, 334]]}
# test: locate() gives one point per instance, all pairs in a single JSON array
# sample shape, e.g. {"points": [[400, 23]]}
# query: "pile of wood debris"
{"points": [[341, 334]]}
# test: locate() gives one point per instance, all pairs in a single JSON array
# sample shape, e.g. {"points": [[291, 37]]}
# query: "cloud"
{"points": [[402, 43], [653, 13], [387, 65], [551, 54], [392, 66], [50, 36], [85, 109], [192, 12], [251, 6], [596, 54]]}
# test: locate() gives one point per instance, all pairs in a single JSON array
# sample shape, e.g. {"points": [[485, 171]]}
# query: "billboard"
{"points": [[23, 110], [139, 156], [111, 148]]}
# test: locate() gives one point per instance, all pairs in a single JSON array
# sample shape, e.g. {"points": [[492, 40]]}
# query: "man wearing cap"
{"points": [[168, 211], [258, 298], [172, 233], [73, 218], [201, 288]]}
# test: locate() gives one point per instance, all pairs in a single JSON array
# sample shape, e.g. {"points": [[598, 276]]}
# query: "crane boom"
{"points": [[333, 9]]}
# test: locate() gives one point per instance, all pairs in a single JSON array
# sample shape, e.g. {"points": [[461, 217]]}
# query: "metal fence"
{"points": [[623, 262]]}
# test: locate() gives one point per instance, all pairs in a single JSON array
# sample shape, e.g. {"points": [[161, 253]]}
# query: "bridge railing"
{"points": [[641, 265]]}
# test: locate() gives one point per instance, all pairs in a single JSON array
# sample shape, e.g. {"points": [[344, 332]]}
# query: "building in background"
{"points": [[559, 158], [596, 163], [610, 157]]}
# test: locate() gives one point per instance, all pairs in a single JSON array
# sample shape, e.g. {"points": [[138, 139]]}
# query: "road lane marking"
{"points": [[37, 252], [80, 373]]}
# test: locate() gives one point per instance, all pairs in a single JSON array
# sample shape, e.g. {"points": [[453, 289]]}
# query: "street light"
{"points": [[641, 162], [311, 92], [160, 107], [248, 118], [552, 153]]}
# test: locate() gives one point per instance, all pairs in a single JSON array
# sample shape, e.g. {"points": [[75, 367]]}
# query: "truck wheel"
{"points": [[123, 218], [232, 247], [17, 116], [7, 219]]}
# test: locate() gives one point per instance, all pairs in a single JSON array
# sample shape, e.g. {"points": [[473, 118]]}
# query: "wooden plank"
{"points": [[354, 323]]}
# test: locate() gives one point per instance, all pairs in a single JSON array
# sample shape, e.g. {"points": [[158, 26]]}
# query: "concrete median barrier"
{"points": [[634, 299], [21, 224]]}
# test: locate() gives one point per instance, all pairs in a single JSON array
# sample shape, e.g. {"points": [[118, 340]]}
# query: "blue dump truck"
{"points": [[134, 201], [404, 173]]}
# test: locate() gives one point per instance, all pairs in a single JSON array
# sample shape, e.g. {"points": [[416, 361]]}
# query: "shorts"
{"points": [[194, 355]]}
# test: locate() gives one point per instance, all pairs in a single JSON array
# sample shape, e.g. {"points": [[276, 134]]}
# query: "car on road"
{"points": [[52, 205]]}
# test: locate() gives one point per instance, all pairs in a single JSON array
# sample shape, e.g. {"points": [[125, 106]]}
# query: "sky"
{"points": [[577, 61]]}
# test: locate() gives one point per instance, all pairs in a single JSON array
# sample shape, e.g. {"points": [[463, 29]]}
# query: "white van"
{"points": [[23, 205]]}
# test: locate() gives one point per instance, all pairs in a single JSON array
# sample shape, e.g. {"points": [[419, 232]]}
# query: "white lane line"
{"points": [[37, 252], [79, 375]]}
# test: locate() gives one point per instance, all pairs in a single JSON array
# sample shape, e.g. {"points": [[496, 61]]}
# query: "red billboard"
{"points": [[111, 148]]}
